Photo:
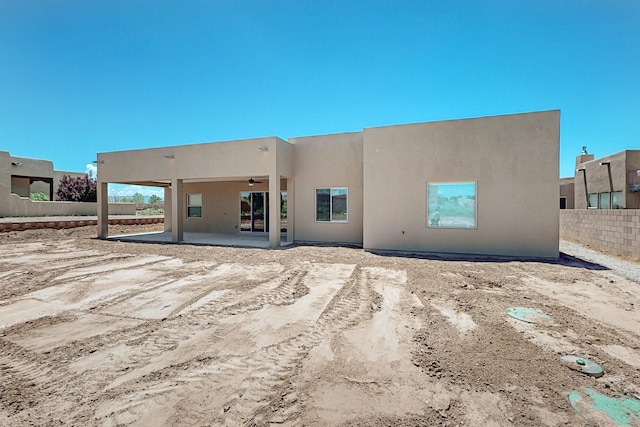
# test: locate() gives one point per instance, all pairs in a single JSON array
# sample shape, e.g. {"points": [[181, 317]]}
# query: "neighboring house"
{"points": [[26, 176], [611, 182], [21, 176], [476, 186]]}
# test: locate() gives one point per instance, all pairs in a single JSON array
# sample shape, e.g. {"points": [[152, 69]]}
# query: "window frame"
{"points": [[616, 193], [331, 220], [190, 205], [600, 197], [429, 222]]}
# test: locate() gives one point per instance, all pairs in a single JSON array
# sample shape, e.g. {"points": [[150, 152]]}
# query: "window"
{"points": [[332, 204], [563, 202], [616, 200], [194, 205], [451, 205], [604, 201], [593, 201]]}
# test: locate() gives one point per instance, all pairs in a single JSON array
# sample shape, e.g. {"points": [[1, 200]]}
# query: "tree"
{"points": [[138, 198], [78, 189], [154, 200]]}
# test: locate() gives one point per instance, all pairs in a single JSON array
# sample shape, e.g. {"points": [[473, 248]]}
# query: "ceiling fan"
{"points": [[252, 181]]}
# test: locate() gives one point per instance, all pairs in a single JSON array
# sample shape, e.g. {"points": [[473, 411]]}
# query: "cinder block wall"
{"points": [[610, 230]]}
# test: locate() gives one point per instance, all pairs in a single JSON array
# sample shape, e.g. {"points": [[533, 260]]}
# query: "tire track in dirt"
{"points": [[41, 277], [258, 377], [153, 339], [291, 288], [19, 368], [260, 399]]}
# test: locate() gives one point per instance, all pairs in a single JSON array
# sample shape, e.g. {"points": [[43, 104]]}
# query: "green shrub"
{"points": [[39, 197]]}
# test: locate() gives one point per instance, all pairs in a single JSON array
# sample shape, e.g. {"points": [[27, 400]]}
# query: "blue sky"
{"points": [[80, 77]]}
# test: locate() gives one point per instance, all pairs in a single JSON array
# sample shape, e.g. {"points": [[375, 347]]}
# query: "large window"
{"points": [[451, 205], [332, 204], [605, 200], [194, 205]]}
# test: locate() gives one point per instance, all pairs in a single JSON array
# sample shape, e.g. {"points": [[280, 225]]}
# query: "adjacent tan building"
{"points": [[567, 193], [21, 176], [472, 186], [611, 182]]}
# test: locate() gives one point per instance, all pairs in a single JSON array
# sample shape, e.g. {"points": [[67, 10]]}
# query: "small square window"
{"points": [[332, 204], [194, 205]]}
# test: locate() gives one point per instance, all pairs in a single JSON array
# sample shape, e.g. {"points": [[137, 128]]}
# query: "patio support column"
{"points": [[177, 211], [167, 209], [274, 210], [103, 209], [290, 211]]}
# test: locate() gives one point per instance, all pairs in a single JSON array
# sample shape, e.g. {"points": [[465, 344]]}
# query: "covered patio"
{"points": [[208, 187]]}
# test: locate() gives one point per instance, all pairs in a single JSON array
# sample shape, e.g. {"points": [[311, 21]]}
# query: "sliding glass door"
{"points": [[254, 211]]}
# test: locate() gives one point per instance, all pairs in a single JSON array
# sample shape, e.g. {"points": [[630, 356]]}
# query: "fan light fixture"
{"points": [[251, 182]]}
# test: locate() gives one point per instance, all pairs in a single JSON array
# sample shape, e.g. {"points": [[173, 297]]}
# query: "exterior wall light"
{"points": [[264, 148], [169, 156], [16, 163]]}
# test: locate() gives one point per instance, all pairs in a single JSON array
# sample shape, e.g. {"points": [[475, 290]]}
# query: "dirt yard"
{"points": [[104, 333]]}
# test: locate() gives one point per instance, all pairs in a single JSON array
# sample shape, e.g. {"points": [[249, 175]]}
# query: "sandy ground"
{"points": [[104, 333]]}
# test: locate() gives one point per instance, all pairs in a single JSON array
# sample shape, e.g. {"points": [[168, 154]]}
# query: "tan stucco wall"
{"points": [[632, 168], [25, 207], [567, 189], [321, 162], [20, 186], [219, 160], [220, 205], [514, 160]]}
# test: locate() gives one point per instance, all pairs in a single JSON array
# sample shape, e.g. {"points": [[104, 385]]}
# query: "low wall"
{"points": [[23, 206], [616, 231], [67, 223]]}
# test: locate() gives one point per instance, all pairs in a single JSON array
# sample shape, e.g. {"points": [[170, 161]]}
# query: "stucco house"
{"points": [[474, 186], [610, 182], [21, 176]]}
